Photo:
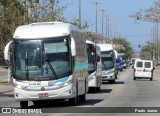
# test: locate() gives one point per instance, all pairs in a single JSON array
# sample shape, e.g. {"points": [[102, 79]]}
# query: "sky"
{"points": [[118, 11]]}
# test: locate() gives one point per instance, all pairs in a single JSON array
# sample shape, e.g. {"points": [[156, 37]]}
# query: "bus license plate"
{"points": [[43, 95]]}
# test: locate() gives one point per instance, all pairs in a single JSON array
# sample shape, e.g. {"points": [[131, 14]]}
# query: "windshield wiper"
{"points": [[104, 65], [51, 67]]}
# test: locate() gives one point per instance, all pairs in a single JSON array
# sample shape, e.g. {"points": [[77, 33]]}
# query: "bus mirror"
{"points": [[116, 54], [73, 47], [153, 68], [98, 58], [6, 51]]}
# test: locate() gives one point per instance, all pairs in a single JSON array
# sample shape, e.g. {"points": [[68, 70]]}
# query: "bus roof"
{"points": [[90, 42], [105, 47], [43, 30]]}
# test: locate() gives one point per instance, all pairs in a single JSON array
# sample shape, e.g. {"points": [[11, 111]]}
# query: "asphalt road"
{"points": [[135, 95]]}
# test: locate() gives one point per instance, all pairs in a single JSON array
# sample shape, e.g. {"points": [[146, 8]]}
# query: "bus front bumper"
{"points": [[62, 93], [108, 77]]}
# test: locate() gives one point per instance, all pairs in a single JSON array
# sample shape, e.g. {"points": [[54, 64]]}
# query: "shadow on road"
{"points": [[101, 91], [90, 102], [144, 80], [119, 82], [6, 95], [116, 82], [55, 104]]}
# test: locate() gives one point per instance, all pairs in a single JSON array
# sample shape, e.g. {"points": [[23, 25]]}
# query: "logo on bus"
{"points": [[51, 83], [42, 88]]}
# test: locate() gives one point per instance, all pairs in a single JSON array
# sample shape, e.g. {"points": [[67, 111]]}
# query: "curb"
{"points": [[5, 84], [6, 91]]}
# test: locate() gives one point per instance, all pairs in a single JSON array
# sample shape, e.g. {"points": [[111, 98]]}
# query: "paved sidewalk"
{"points": [[5, 87]]}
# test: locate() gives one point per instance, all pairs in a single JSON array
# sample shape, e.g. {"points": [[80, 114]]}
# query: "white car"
{"points": [[143, 69]]}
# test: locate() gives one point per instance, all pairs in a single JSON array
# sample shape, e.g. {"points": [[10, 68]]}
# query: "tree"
{"points": [[76, 22], [14, 13], [151, 14], [146, 51], [124, 43], [11, 15]]}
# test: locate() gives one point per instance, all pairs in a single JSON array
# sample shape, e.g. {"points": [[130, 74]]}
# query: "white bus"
{"points": [[108, 59], [49, 62], [94, 66]]}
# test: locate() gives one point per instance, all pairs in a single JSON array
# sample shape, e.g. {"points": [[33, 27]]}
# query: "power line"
{"points": [[135, 35]]}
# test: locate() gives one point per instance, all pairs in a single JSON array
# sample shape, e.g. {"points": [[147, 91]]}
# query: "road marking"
{"points": [[114, 89]]}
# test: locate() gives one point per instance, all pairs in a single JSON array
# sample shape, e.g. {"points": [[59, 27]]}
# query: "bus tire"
{"points": [[24, 104], [98, 88], [151, 79], [134, 78], [113, 81], [115, 76]]}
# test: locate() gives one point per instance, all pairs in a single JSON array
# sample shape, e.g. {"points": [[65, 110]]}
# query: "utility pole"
{"points": [[79, 13], [102, 22], [52, 8], [96, 3], [107, 29]]}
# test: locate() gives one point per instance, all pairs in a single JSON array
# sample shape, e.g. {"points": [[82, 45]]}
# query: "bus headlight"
{"points": [[18, 86], [68, 82]]}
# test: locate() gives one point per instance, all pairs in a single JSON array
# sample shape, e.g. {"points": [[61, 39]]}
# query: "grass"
{"points": [[158, 67], [5, 83], [3, 69]]}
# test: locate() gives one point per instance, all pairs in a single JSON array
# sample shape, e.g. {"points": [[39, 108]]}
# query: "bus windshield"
{"points": [[91, 58], [91, 61], [44, 59], [107, 58]]}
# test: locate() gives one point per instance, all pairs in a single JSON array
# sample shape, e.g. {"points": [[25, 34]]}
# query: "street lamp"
{"points": [[107, 28], [102, 21], [115, 31], [108, 20], [96, 3], [79, 13]]}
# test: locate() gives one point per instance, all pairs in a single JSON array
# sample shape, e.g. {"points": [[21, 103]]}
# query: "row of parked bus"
{"points": [[122, 62], [53, 60]]}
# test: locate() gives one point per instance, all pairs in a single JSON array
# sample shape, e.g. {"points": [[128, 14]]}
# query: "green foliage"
{"points": [[123, 42], [76, 22], [150, 14], [14, 13], [11, 15]]}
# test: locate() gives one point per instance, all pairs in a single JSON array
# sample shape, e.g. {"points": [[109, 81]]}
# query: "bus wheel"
{"points": [[112, 81], [151, 79], [98, 88], [115, 76], [94, 89], [134, 78], [36, 102], [73, 101], [82, 98], [24, 104]]}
